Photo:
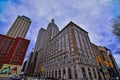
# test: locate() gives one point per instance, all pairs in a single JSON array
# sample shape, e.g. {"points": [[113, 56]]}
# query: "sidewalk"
{"points": [[30, 78]]}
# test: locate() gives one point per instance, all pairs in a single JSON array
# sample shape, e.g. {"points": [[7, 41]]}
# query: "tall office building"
{"points": [[19, 27], [39, 47], [67, 54], [44, 36]]}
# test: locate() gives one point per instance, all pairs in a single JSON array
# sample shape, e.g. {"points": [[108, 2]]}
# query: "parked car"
{"points": [[34, 78], [16, 77]]}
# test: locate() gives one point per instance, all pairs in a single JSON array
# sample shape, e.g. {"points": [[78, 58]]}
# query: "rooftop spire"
{"points": [[52, 21]]}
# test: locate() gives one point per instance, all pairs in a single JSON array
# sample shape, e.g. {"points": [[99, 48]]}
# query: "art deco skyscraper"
{"points": [[19, 27]]}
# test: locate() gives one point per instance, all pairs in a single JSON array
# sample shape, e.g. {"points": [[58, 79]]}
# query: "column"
{"points": [[46, 74], [54, 73], [96, 73], [72, 72], [86, 70], [91, 70], [61, 73], [50, 73], [79, 72], [66, 72]]}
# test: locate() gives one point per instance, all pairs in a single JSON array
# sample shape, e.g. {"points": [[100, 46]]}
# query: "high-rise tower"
{"points": [[19, 27], [52, 30]]}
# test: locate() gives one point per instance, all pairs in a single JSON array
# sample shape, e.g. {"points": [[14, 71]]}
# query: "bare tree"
{"points": [[116, 27]]}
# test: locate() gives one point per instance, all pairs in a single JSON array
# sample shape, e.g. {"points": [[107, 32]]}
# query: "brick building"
{"points": [[12, 50]]}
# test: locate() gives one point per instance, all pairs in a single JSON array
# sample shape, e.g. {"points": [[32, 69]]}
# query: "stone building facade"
{"points": [[67, 54]]}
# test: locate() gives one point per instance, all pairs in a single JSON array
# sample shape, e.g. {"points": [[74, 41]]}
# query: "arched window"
{"points": [[64, 73], [69, 73], [59, 73], [84, 73], [52, 73], [95, 76], [75, 72], [89, 72], [56, 73], [47, 74]]}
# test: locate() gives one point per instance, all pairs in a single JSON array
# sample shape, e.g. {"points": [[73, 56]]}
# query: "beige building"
{"points": [[19, 27], [67, 54], [102, 73]]}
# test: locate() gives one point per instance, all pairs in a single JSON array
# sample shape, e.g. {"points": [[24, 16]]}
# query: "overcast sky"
{"points": [[95, 16]]}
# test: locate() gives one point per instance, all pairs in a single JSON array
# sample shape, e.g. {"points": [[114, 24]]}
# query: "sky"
{"points": [[94, 16]]}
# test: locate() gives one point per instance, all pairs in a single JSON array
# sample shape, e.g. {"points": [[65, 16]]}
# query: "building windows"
{"points": [[84, 73], [77, 40], [95, 76], [64, 74], [90, 75], [59, 73], [56, 73], [75, 72], [69, 73], [60, 52], [52, 73]]}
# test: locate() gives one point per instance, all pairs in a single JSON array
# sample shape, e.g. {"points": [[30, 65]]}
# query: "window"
{"points": [[49, 73], [69, 73], [90, 75], [75, 72], [52, 73], [95, 76], [64, 74], [56, 73], [59, 73], [84, 73]]}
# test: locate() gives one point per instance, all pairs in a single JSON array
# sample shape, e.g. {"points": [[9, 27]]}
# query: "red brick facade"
{"points": [[12, 50]]}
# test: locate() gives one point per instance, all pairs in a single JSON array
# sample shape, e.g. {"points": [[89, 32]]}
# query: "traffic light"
{"points": [[111, 64], [42, 69], [99, 59], [106, 63]]}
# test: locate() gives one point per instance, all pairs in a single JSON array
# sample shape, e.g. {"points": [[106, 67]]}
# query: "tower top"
{"points": [[26, 17], [52, 21]]}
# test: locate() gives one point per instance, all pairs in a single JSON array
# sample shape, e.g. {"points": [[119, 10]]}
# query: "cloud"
{"points": [[94, 16], [117, 58], [2, 19]]}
